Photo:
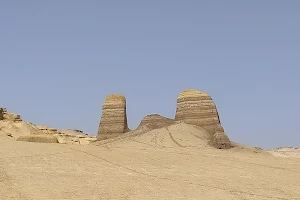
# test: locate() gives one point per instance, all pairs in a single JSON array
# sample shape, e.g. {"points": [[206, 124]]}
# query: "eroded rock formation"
{"points": [[1, 114], [155, 121], [39, 138], [47, 130], [114, 119], [197, 108], [4, 115], [221, 141]]}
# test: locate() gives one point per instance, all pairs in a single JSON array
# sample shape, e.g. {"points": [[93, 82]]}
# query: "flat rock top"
{"points": [[115, 98], [192, 93]]}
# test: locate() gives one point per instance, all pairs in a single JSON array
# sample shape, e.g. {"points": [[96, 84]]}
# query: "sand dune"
{"points": [[173, 162]]}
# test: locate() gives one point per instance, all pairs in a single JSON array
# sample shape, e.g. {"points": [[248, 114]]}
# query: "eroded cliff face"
{"points": [[198, 108], [114, 119]]}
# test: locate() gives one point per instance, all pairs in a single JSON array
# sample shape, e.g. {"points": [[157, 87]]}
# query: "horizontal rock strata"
{"points": [[4, 115], [155, 121], [221, 141], [39, 138], [47, 130], [114, 119], [197, 108]]}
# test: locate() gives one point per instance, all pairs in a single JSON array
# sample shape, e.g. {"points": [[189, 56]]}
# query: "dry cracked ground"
{"points": [[161, 164]]}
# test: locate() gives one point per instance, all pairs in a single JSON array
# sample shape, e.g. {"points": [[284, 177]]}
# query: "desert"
{"points": [[188, 157]]}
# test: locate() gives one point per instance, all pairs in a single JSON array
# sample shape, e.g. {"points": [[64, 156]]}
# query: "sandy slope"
{"points": [[173, 163]]}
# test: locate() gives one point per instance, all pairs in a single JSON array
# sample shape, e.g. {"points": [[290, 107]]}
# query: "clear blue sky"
{"points": [[59, 60]]}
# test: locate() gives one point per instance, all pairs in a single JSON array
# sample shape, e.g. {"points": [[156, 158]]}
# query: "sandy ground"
{"points": [[173, 163]]}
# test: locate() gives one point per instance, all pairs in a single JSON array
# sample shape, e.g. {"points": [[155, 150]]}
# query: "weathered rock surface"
{"points": [[72, 139], [40, 138], [114, 119], [155, 121], [47, 130], [4, 115], [221, 141], [17, 129], [198, 108], [1, 114], [71, 132]]}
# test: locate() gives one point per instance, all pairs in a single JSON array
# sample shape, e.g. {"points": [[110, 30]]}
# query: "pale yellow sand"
{"points": [[173, 163]]}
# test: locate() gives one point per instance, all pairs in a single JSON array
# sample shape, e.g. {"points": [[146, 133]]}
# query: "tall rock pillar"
{"points": [[114, 119]]}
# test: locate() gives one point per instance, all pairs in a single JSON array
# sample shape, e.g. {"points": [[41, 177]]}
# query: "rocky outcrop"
{"points": [[197, 108], [47, 130], [221, 141], [1, 114], [114, 119], [75, 139], [39, 138], [4, 115], [155, 121]]}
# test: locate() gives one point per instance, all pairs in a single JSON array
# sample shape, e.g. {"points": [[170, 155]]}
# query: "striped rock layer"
{"points": [[221, 141], [114, 119], [198, 108], [155, 121]]}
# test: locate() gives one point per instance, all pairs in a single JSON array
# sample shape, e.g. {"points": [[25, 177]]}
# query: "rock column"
{"points": [[114, 119]]}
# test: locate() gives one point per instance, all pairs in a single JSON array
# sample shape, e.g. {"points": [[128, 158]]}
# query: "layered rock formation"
{"points": [[197, 108], [39, 138], [221, 141], [155, 121], [4, 115], [47, 130], [114, 119]]}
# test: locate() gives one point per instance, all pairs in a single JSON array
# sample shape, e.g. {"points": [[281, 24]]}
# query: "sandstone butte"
{"points": [[193, 107], [114, 119]]}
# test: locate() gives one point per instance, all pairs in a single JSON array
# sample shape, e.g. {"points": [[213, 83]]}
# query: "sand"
{"points": [[167, 163]]}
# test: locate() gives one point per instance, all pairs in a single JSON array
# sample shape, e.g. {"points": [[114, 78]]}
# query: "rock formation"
{"points": [[40, 138], [221, 141], [1, 114], [47, 130], [4, 115], [197, 108], [114, 119], [155, 121]]}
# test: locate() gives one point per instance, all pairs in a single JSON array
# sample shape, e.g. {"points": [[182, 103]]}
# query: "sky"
{"points": [[60, 59]]}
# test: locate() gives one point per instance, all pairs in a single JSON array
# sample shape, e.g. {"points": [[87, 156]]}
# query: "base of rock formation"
{"points": [[40, 138], [221, 141]]}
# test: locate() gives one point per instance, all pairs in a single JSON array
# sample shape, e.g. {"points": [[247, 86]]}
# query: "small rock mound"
{"points": [[114, 119], [221, 141], [155, 121], [39, 138]]}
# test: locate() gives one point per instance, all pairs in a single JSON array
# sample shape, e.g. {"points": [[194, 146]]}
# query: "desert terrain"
{"points": [[172, 163], [188, 157]]}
